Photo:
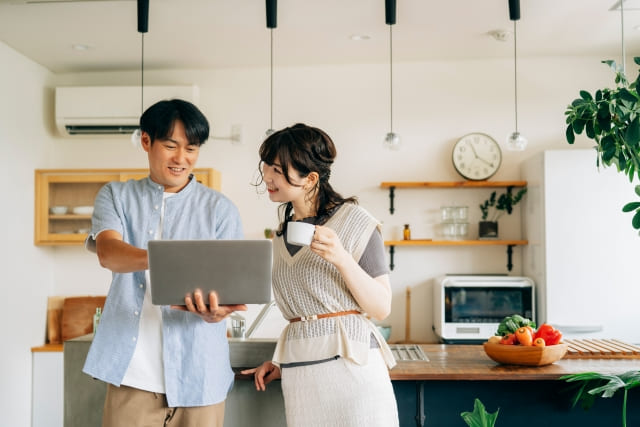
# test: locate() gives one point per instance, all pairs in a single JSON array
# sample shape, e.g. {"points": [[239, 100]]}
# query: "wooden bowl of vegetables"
{"points": [[525, 355], [517, 342]]}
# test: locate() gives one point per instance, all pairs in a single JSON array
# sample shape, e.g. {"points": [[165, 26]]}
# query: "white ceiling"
{"points": [[232, 33]]}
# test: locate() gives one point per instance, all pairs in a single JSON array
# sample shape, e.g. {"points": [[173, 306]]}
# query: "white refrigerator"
{"points": [[583, 254]]}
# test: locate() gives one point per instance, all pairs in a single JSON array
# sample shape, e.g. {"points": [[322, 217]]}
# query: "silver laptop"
{"points": [[238, 270]]}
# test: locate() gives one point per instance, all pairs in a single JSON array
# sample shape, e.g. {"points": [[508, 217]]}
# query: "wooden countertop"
{"points": [[470, 362], [47, 348]]}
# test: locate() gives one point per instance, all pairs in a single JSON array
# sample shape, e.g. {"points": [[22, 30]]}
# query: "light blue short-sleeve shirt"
{"points": [[197, 370]]}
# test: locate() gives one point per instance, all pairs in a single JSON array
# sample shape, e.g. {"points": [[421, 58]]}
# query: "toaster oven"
{"points": [[469, 308]]}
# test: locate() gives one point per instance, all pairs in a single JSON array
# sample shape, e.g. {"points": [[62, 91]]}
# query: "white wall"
{"points": [[435, 104], [27, 271]]}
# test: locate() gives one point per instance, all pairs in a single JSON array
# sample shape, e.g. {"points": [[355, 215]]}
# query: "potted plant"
{"points": [[479, 417], [493, 208], [611, 117], [593, 384]]}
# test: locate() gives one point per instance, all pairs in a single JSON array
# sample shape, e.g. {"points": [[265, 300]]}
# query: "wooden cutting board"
{"points": [[601, 349], [77, 315]]}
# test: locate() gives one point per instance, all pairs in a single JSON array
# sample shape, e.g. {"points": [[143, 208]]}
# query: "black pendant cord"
{"points": [[142, 75], [143, 27], [391, 78], [515, 70], [271, 83]]}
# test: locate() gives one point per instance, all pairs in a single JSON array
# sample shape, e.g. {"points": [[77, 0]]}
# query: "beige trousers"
{"points": [[131, 407]]}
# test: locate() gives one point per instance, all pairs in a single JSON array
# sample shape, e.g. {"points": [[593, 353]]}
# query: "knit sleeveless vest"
{"points": [[305, 284]]}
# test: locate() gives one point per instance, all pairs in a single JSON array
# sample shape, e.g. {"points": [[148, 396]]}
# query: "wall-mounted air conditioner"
{"points": [[110, 110]]}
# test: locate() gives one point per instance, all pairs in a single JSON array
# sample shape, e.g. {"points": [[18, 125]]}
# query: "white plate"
{"points": [[82, 210]]}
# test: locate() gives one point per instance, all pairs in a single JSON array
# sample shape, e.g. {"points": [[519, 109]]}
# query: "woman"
{"points": [[332, 360]]}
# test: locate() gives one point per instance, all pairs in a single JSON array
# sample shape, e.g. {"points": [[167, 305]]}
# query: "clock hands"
{"points": [[483, 160], [475, 154], [473, 149]]}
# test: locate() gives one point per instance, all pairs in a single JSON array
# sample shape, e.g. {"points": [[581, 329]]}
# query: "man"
{"points": [[163, 366]]}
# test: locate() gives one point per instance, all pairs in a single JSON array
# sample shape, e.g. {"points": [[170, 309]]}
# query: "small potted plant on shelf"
{"points": [[493, 208]]}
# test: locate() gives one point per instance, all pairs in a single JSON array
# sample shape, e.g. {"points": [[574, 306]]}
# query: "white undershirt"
{"points": [[146, 370]]}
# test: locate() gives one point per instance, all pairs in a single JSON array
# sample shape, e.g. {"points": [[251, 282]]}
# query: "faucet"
{"points": [[237, 326], [260, 318]]}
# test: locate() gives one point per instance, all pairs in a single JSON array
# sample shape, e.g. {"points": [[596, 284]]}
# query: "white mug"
{"points": [[300, 233]]}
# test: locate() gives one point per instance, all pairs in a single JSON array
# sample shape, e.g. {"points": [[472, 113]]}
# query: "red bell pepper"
{"points": [[509, 339], [549, 334]]}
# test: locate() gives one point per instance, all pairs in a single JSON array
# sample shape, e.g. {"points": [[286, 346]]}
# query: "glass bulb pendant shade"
{"points": [[392, 141], [136, 138], [269, 132], [516, 141]]}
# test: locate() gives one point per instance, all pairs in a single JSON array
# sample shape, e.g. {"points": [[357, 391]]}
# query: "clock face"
{"points": [[477, 156]]}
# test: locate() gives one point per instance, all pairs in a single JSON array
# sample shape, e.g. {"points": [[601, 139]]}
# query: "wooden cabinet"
{"points": [[392, 186], [71, 194]]}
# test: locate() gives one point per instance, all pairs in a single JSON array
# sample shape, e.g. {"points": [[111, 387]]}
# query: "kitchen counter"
{"points": [[470, 363], [435, 393], [432, 393]]}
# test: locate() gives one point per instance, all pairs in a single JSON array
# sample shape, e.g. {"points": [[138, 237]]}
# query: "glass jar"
{"points": [[461, 230], [406, 233], [459, 213]]}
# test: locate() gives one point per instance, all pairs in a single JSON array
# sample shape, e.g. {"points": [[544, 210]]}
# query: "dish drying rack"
{"points": [[408, 353]]}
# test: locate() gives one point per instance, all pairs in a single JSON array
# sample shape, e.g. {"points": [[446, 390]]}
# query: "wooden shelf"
{"points": [[453, 184], [429, 242], [69, 216]]}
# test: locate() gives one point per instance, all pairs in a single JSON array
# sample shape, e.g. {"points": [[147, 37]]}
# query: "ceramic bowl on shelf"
{"points": [[82, 210], [525, 355], [58, 210]]}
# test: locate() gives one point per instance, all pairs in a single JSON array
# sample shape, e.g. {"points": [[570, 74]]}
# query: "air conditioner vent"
{"points": [[100, 130]]}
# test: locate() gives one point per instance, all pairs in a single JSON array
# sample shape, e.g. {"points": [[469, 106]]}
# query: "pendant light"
{"points": [[143, 27], [272, 22], [515, 141], [391, 139]]}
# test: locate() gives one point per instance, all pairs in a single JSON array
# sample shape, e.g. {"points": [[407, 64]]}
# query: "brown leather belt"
{"points": [[322, 316]]}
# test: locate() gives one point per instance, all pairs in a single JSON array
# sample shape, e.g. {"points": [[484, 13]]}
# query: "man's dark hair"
{"points": [[159, 119]]}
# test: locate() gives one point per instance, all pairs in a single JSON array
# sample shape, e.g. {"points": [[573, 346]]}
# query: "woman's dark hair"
{"points": [[306, 149], [159, 119]]}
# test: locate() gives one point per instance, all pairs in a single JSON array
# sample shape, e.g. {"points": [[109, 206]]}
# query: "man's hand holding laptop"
{"points": [[213, 312]]}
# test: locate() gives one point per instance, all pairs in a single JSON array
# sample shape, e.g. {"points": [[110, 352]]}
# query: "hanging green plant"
{"points": [[611, 117]]}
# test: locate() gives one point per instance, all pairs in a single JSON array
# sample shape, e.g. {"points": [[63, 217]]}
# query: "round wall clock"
{"points": [[476, 156]]}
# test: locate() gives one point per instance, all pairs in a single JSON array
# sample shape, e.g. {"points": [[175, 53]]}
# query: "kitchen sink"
{"points": [[408, 353], [250, 352]]}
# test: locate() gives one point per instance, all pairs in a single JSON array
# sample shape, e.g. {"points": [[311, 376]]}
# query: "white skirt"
{"points": [[340, 393]]}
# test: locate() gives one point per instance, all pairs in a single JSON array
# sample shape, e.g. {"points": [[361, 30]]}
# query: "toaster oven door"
{"points": [[471, 314]]}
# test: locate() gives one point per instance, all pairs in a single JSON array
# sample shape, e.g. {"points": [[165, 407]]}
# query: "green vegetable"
{"points": [[511, 324], [479, 417]]}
